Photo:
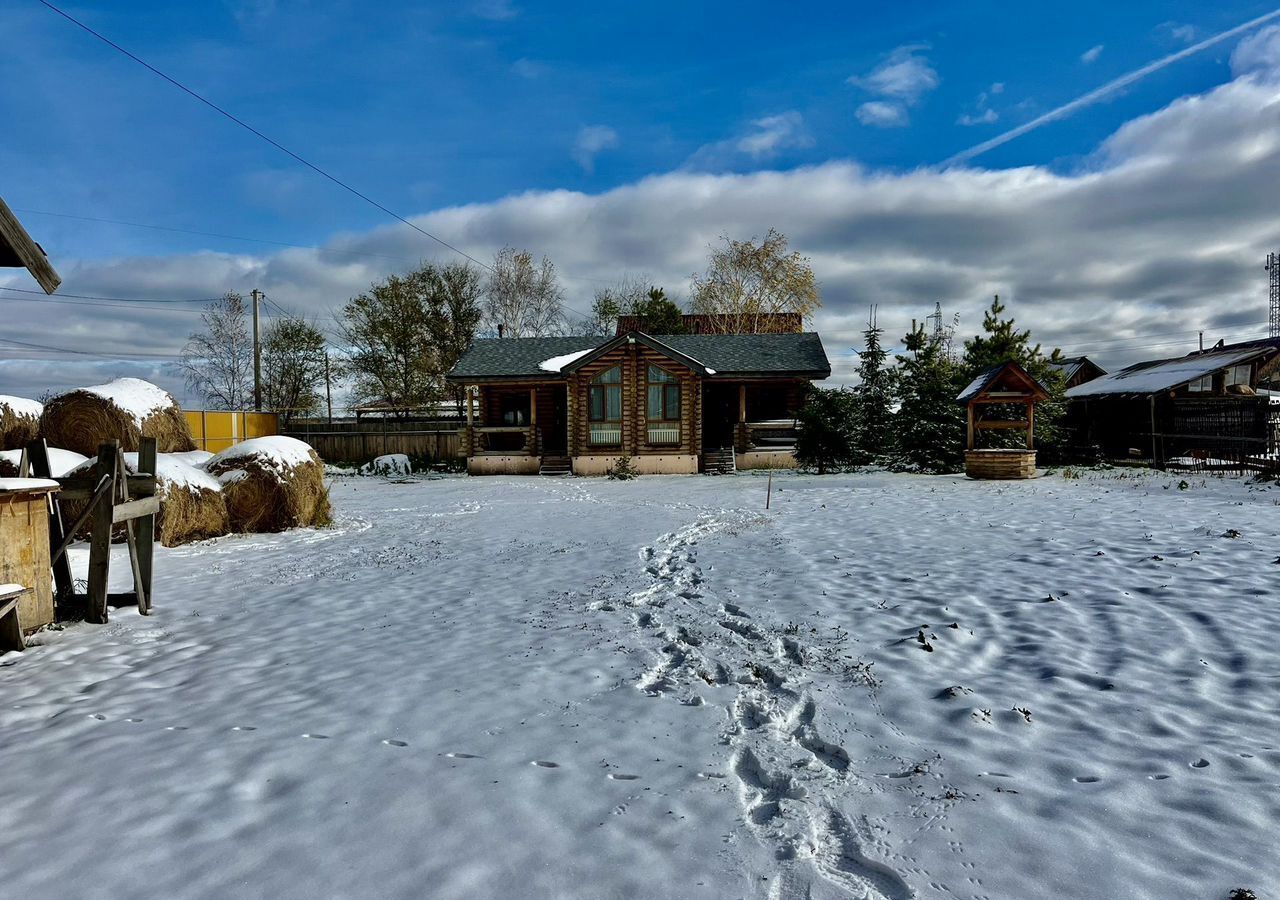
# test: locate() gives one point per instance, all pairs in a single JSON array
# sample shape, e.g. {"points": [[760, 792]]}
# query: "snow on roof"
{"points": [[27, 484], [136, 397], [556, 363], [20, 406], [1163, 375], [7, 589]]}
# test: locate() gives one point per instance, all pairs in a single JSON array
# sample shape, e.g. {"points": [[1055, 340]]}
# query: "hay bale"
{"points": [[19, 422], [60, 462], [192, 507], [272, 484], [124, 410]]}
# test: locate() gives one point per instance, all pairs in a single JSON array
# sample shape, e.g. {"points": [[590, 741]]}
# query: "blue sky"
{"points": [[425, 106], [624, 139]]}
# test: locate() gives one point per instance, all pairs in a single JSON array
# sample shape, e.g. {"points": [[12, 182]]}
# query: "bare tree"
{"points": [[293, 362], [217, 363], [746, 282], [521, 299]]}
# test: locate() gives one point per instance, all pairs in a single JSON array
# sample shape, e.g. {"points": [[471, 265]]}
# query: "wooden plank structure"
{"points": [[24, 555], [1000, 389], [18, 250], [112, 497]]}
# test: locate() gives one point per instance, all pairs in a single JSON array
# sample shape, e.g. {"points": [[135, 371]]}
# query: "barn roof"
{"points": [[1070, 366], [716, 355], [1161, 375]]}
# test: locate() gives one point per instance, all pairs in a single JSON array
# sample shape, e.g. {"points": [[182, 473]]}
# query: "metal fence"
{"points": [[1196, 448], [216, 430]]}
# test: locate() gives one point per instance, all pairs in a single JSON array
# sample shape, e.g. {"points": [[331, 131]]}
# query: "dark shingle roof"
{"points": [[726, 354]]}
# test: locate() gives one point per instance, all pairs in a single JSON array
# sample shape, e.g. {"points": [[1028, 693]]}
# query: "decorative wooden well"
{"points": [[24, 548], [989, 400]]}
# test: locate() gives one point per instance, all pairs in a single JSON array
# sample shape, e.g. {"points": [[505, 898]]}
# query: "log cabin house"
{"points": [[673, 403]]}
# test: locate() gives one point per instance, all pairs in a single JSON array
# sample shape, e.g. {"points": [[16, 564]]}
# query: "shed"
{"points": [[1003, 386]]}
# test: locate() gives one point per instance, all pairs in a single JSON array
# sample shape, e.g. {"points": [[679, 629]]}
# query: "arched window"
{"points": [[663, 406], [604, 407]]}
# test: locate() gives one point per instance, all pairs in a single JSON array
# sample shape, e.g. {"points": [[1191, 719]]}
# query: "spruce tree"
{"points": [[826, 438], [872, 399], [929, 424]]}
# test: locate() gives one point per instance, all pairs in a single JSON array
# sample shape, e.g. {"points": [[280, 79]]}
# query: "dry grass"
{"points": [[81, 420], [16, 430], [260, 498]]}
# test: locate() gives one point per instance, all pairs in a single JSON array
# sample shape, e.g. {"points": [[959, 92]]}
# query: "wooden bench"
{"points": [[10, 627]]}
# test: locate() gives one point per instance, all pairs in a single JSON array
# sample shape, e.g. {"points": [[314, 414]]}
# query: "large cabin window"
{"points": [[1201, 385], [663, 406], [604, 407]]}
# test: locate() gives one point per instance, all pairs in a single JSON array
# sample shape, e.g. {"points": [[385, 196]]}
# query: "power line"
{"points": [[245, 125], [26, 345], [214, 234], [114, 299]]}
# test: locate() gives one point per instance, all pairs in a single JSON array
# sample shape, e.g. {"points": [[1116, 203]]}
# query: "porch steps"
{"points": [[719, 462], [556, 465]]}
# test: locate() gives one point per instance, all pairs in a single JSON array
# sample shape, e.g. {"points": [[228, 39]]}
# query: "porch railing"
{"points": [[506, 439], [768, 434]]}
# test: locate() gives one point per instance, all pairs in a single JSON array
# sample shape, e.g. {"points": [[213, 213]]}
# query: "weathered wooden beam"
{"points": [[28, 252], [37, 453], [100, 537], [81, 487], [10, 627], [147, 525], [1020, 424], [134, 509]]}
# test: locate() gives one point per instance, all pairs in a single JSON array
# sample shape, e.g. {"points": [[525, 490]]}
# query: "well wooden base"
{"points": [[1000, 464]]}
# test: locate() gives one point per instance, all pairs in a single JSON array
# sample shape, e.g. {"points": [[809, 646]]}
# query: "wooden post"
{"points": [[972, 437], [257, 354], [100, 537], [742, 403], [30, 254], [1031, 425], [38, 455], [146, 529]]}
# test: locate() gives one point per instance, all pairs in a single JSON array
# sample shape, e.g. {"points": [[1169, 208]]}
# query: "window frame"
{"points": [[600, 387]]}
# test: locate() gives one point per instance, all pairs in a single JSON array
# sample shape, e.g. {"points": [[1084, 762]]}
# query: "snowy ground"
{"points": [[546, 688]]}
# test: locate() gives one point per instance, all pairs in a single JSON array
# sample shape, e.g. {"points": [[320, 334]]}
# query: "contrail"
{"points": [[1106, 90]]}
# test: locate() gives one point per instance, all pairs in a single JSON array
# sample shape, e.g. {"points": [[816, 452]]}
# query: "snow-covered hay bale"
{"points": [[272, 484], [192, 507], [19, 422], [60, 462], [124, 410]]}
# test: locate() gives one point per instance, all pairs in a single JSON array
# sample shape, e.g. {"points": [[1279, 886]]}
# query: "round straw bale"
{"points": [[60, 462], [192, 507], [124, 410], [19, 422], [272, 484]]}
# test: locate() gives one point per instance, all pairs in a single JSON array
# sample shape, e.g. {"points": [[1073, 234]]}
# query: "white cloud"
{"points": [[881, 114], [997, 88], [528, 68], [592, 140], [1185, 34], [1092, 54], [986, 117], [1163, 229], [762, 140], [494, 10], [1258, 54], [900, 80]]}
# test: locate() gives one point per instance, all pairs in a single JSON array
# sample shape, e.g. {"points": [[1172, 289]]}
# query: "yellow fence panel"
{"points": [[216, 430]]}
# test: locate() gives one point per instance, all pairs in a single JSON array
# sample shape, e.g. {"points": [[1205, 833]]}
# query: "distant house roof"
{"points": [[1073, 366], [1162, 375], [1010, 371], [701, 323], [715, 355]]}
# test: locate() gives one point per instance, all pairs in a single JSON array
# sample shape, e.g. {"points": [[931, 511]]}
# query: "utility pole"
{"points": [[257, 353], [328, 391]]}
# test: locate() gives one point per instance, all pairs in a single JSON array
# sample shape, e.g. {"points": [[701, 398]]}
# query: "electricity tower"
{"points": [[1273, 269]]}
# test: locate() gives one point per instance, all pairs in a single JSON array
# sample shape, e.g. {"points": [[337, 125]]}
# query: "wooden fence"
{"points": [[352, 442], [216, 430]]}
